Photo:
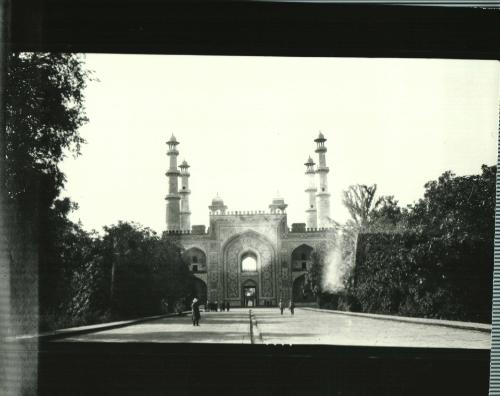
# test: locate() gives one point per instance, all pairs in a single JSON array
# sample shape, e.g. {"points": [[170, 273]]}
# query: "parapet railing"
{"points": [[246, 212], [303, 230], [290, 230], [186, 232]]}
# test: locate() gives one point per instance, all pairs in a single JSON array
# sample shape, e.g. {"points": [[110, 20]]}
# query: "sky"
{"points": [[246, 126]]}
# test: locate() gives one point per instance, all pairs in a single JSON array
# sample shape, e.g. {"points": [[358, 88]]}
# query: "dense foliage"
{"points": [[44, 109], [80, 277], [127, 272], [432, 259], [147, 271]]}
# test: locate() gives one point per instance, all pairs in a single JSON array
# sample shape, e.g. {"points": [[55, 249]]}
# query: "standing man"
{"points": [[195, 308], [227, 306], [292, 307], [281, 306]]}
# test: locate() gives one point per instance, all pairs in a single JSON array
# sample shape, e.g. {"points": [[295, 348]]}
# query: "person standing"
{"points": [[227, 306], [195, 308], [292, 307], [281, 306]]}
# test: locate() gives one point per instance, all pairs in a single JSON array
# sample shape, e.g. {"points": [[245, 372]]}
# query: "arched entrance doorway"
{"points": [[248, 269], [249, 294]]}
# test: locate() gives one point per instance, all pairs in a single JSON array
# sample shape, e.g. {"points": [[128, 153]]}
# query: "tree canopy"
{"points": [[437, 259], [82, 277]]}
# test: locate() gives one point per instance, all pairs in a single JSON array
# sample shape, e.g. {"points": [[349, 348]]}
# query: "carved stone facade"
{"points": [[281, 256], [265, 236]]}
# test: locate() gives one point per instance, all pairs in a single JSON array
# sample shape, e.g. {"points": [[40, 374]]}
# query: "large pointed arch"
{"points": [[234, 250]]}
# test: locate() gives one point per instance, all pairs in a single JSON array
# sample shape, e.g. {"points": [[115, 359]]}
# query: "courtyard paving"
{"points": [[313, 327], [215, 327], [305, 327]]}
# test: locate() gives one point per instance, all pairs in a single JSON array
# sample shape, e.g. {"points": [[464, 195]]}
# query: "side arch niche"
{"points": [[302, 258], [196, 259]]}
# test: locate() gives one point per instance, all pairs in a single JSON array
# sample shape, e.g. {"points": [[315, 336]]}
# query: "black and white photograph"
{"points": [[243, 200], [241, 188]]}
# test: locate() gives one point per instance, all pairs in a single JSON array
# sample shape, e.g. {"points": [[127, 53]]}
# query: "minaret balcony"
{"points": [[172, 172], [173, 196], [321, 169]]}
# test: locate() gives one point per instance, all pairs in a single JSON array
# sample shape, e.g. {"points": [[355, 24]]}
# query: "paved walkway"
{"points": [[215, 327], [305, 327], [313, 327]]}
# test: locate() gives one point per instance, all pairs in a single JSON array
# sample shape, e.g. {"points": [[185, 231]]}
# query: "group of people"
{"points": [[224, 306], [215, 306], [291, 306]]}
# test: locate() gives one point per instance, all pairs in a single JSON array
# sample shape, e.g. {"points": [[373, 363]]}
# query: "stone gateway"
{"points": [[250, 258]]}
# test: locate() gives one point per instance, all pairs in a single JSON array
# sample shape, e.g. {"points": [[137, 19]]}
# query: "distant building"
{"points": [[250, 258]]}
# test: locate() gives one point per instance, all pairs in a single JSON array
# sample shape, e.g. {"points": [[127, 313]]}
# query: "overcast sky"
{"points": [[246, 126]]}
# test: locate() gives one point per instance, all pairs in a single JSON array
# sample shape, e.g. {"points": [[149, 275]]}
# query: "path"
{"points": [[305, 327], [313, 327]]}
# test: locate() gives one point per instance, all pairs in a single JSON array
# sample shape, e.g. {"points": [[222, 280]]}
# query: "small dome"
{"points": [[309, 161], [184, 164], [320, 138], [172, 140], [217, 200]]}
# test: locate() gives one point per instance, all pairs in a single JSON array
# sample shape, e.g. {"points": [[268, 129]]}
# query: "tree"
{"points": [[368, 213], [358, 200], [441, 265], [143, 269], [456, 217], [44, 109]]}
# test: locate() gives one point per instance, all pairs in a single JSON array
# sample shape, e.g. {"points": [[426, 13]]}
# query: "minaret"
{"points": [[185, 214], [173, 197], [323, 196], [311, 213]]}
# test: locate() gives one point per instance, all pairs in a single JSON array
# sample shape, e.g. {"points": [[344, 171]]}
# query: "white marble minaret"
{"points": [[322, 196], [173, 197], [185, 214], [311, 212]]}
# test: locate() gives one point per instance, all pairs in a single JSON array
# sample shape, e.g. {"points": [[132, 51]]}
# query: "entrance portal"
{"points": [[249, 296]]}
